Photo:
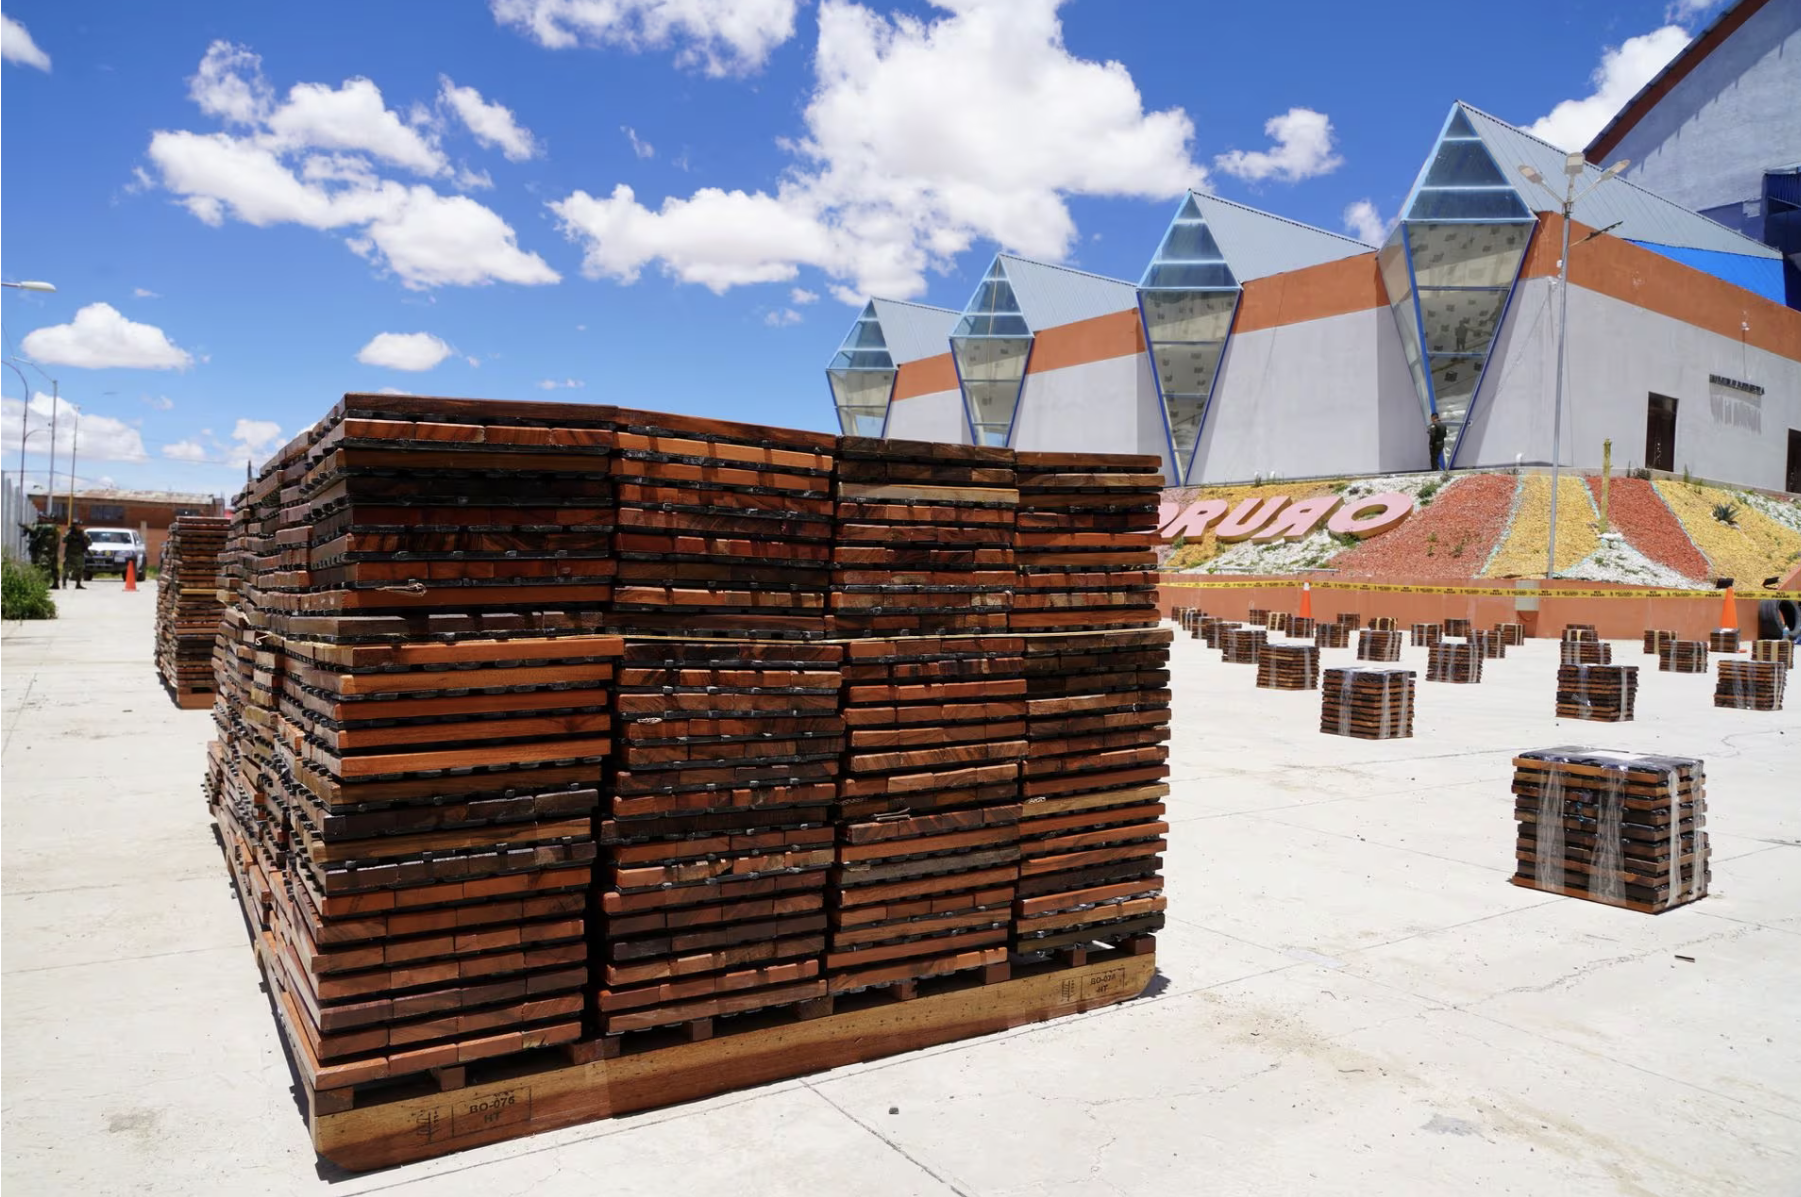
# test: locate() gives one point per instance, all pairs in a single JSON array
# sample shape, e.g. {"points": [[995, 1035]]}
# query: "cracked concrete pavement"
{"points": [[1352, 997]]}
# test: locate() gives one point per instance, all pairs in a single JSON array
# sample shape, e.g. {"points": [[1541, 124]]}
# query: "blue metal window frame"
{"points": [[1186, 468], [1019, 396]]}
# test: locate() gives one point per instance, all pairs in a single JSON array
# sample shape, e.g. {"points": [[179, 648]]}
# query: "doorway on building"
{"points": [[1660, 434], [1793, 476]]}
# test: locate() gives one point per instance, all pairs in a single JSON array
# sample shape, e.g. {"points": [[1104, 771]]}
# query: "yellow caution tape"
{"points": [[1470, 591]]}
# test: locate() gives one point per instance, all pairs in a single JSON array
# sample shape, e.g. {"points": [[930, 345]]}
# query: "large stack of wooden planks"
{"points": [[1458, 661], [1655, 639], [1585, 651], [1602, 693], [1626, 829], [1722, 640], [1288, 667], [1682, 656], [1377, 644], [1425, 635], [1368, 702], [1241, 646], [554, 725], [1780, 651], [188, 608], [1750, 685]]}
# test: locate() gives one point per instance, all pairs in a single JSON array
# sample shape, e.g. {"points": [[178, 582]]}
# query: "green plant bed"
{"points": [[25, 592]]}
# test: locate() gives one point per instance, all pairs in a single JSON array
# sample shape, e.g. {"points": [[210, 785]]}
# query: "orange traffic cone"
{"points": [[1728, 613], [1306, 600], [131, 575]]}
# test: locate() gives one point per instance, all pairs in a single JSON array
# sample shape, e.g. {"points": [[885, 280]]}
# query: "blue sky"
{"points": [[249, 209]]}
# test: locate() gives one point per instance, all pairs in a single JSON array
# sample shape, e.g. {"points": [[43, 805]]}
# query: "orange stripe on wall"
{"points": [[927, 376], [1646, 279], [1311, 293], [1117, 334]]}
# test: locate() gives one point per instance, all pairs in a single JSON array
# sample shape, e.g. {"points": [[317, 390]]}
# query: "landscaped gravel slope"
{"points": [[1449, 541], [1637, 513], [1522, 553], [1748, 550]]}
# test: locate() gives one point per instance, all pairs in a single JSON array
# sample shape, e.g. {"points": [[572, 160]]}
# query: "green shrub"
{"points": [[25, 592], [1726, 513], [1427, 491]]}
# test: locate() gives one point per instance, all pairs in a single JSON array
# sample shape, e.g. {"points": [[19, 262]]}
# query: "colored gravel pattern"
{"points": [[1748, 551], [1448, 541], [1635, 512], [1522, 553]]}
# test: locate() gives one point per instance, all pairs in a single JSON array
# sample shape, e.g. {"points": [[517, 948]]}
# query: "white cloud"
{"points": [[99, 338], [921, 137], [1682, 10], [404, 351], [568, 384], [144, 293], [1624, 69], [160, 402], [722, 37], [642, 149], [253, 440], [393, 391], [801, 297], [89, 437], [189, 450], [1363, 221], [474, 362], [308, 162], [1302, 150], [782, 317], [492, 124], [16, 45]]}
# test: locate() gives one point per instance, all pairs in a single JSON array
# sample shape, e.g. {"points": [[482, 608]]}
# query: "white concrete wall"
{"points": [[1329, 396], [934, 417], [1737, 114], [1109, 406], [1619, 355]]}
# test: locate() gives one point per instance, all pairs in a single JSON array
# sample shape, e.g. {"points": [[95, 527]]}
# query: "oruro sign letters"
{"points": [[1275, 518]]}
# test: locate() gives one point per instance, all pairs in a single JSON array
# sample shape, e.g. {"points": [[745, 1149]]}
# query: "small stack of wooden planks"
{"points": [[1457, 661], [1722, 640], [1457, 627], [1094, 784], [1279, 621], [1602, 693], [1492, 644], [1332, 635], [1655, 639], [1086, 542], [1257, 617], [1213, 629], [1626, 829], [717, 831], [1301, 627], [1384, 623], [1367, 702], [1512, 634], [1425, 635], [925, 538], [1288, 667], [1349, 619], [188, 608], [928, 816], [1241, 646], [1782, 651], [1683, 656], [1579, 631], [1585, 652], [1378, 644], [723, 528], [1750, 685]]}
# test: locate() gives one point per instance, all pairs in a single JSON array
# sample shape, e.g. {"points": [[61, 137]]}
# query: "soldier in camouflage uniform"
{"points": [[43, 549], [75, 554]]}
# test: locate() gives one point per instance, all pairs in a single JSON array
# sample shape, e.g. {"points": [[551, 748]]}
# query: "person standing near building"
{"points": [[43, 549], [75, 554], [1435, 441]]}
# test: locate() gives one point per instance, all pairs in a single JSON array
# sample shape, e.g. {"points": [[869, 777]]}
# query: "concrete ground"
{"points": [[1353, 999]]}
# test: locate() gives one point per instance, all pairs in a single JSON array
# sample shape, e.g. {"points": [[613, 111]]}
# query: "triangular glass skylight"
{"points": [[862, 376], [1188, 296], [990, 346], [1463, 182]]}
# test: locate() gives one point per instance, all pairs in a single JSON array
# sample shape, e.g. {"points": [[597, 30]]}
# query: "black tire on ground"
{"points": [[1779, 619]]}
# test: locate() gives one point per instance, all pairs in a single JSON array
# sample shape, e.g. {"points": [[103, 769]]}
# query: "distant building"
{"points": [[149, 511], [1256, 346], [1719, 129]]}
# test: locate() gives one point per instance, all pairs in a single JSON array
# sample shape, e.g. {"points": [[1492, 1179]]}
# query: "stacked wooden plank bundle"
{"points": [[928, 820], [1241, 646], [1682, 656], [1349, 619], [1655, 639], [1368, 702], [1425, 635], [1579, 631], [1257, 617], [1288, 667], [1094, 783], [1384, 623], [1457, 627], [1492, 645], [1301, 627], [1213, 629], [188, 608], [1723, 640], [726, 528], [1750, 685], [1332, 635], [1603, 693], [1512, 634], [1626, 829], [717, 831], [1458, 661], [1782, 651], [1378, 644], [1585, 652], [925, 538], [1279, 621], [1087, 541]]}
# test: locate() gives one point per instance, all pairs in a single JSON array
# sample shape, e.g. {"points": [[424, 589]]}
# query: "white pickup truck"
{"points": [[110, 549]]}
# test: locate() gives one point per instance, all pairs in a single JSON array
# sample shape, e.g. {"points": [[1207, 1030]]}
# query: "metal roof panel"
{"points": [[1258, 244], [1051, 295], [914, 330]]}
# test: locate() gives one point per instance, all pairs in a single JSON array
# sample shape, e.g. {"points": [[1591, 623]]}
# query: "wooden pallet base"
{"points": [[530, 1097]]}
